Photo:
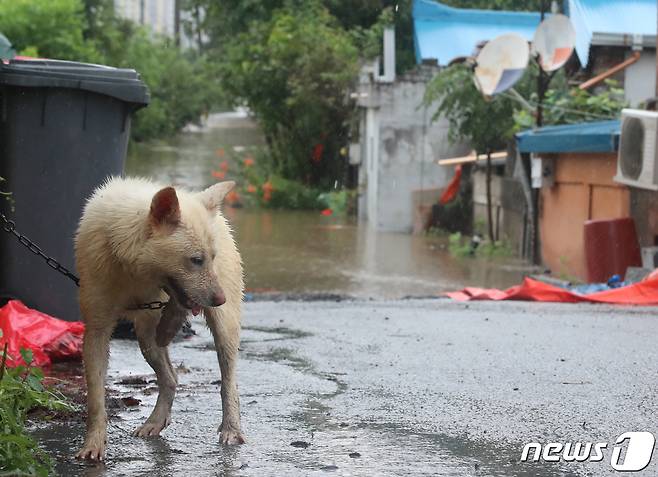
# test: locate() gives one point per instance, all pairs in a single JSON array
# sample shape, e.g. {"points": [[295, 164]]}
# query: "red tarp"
{"points": [[50, 339], [641, 293], [451, 191]]}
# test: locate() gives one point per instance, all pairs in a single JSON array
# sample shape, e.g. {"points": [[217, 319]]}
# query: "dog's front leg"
{"points": [[225, 327], [95, 354]]}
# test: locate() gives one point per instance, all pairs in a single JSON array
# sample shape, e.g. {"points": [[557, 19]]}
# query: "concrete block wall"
{"points": [[400, 146]]}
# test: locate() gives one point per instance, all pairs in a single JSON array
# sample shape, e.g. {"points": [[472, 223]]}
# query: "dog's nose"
{"points": [[218, 299]]}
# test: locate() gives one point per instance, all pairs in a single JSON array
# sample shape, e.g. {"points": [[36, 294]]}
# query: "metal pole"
{"points": [[542, 84], [657, 52], [197, 19], [177, 22], [492, 237]]}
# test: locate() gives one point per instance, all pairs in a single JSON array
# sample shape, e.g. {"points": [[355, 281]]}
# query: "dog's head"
{"points": [[182, 245]]}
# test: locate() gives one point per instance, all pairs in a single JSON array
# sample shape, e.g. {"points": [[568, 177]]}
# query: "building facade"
{"points": [[398, 147], [158, 15], [162, 17]]}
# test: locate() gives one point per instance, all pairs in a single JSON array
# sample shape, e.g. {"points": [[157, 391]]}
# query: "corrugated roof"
{"points": [[611, 22], [445, 33], [599, 136]]}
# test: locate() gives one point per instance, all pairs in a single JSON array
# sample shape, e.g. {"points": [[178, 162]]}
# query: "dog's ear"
{"points": [[165, 209], [214, 195]]}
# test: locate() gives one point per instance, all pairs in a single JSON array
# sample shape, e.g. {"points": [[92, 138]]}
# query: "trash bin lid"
{"points": [[120, 83]]}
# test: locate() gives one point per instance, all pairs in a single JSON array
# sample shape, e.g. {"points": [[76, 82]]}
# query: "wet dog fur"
{"points": [[140, 242]]}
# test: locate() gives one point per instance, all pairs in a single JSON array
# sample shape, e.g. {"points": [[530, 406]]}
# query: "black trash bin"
{"points": [[64, 128]]}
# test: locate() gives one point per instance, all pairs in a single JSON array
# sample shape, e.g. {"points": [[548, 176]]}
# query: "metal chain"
{"points": [[153, 305], [10, 227]]}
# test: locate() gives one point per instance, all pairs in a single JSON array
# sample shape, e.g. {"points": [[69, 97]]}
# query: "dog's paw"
{"points": [[151, 428], [230, 437], [93, 449]]}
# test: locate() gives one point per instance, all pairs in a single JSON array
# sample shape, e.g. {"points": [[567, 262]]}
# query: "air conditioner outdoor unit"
{"points": [[636, 163]]}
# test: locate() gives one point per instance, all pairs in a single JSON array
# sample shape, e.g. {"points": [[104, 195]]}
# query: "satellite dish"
{"points": [[500, 64], [554, 42]]}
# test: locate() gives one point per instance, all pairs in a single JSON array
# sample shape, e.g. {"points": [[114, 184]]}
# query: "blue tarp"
{"points": [[600, 19], [445, 33], [600, 136]]}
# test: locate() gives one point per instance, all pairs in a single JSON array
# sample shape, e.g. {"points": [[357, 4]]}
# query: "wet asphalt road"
{"points": [[417, 387]]}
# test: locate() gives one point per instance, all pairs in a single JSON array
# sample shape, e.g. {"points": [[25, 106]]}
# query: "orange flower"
{"points": [[251, 188], [220, 152], [224, 166], [327, 212], [267, 191], [218, 175], [249, 161]]}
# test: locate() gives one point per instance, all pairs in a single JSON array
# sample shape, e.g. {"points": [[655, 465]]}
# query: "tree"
{"points": [[106, 31], [295, 71], [220, 22], [183, 85], [49, 28], [366, 17], [486, 124], [180, 86], [565, 105], [294, 63]]}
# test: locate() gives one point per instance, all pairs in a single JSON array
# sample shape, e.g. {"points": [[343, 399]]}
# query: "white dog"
{"points": [[139, 242]]}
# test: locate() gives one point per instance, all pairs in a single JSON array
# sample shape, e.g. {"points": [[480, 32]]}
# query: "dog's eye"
{"points": [[196, 260]]}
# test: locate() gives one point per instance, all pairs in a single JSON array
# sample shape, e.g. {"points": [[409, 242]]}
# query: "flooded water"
{"points": [[302, 252]]}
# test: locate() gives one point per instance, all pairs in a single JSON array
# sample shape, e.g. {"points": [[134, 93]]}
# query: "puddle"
{"points": [[283, 332], [286, 398]]}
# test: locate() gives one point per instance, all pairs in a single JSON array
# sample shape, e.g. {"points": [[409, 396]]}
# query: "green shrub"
{"points": [[255, 175], [289, 194], [183, 84], [181, 89], [497, 249], [260, 186], [294, 70], [21, 390], [341, 202], [460, 246], [48, 28]]}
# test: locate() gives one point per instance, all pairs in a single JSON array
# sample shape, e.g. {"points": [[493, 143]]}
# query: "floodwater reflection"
{"points": [[305, 252]]}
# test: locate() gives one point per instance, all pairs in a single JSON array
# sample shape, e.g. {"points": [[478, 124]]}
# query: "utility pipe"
{"points": [[608, 73]]}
